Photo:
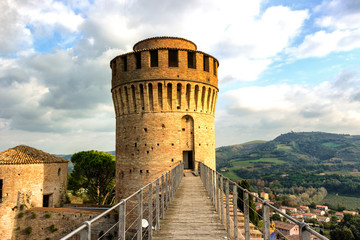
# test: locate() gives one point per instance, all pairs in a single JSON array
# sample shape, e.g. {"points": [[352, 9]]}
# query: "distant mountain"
{"points": [[295, 147]]}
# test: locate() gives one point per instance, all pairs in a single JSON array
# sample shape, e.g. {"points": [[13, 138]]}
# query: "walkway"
{"points": [[191, 214]]}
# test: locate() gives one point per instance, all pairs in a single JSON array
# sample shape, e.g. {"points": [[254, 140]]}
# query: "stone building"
{"points": [[164, 95], [29, 178]]}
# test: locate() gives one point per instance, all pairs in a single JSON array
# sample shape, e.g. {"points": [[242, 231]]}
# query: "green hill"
{"points": [[291, 160]]}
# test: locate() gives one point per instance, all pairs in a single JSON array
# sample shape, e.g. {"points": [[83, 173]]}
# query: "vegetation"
{"points": [[297, 168], [94, 172], [20, 215], [47, 215], [53, 228], [254, 218], [348, 228], [28, 230]]}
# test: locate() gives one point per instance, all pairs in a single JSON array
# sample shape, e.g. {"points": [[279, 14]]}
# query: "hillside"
{"points": [[306, 159]]}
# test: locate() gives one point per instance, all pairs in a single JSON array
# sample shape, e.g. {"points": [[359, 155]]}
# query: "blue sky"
{"points": [[284, 66]]}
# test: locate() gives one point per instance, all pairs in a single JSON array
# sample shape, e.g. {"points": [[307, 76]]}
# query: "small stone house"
{"points": [[287, 228], [29, 178]]}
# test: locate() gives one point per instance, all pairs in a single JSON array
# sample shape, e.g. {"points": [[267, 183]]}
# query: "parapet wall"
{"points": [[161, 42]]}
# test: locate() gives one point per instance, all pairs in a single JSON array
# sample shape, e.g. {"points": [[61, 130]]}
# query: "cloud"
{"points": [[339, 23], [264, 112]]}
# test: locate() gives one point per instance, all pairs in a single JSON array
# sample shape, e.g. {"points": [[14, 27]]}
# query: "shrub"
{"points": [[53, 228], [20, 215], [33, 215], [28, 230], [48, 215]]}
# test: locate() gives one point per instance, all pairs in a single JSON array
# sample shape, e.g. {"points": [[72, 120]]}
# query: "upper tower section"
{"points": [[165, 42], [164, 58]]}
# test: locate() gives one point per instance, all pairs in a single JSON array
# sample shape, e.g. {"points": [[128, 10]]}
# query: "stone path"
{"points": [[191, 214]]}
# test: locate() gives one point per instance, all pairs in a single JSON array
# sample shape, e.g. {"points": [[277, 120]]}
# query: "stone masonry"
{"points": [[164, 95]]}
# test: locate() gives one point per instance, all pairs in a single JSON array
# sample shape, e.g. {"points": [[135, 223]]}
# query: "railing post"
{"points": [[217, 193], [166, 190], [304, 235], [222, 199], [235, 212], [246, 215], [122, 220], [266, 219], [157, 206], [140, 215], [150, 206], [227, 208], [211, 185], [162, 197], [86, 233], [213, 188]]}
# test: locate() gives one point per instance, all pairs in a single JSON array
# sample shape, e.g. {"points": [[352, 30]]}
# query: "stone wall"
{"points": [[54, 223], [24, 186]]}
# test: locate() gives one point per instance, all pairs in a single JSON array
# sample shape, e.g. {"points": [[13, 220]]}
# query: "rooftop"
{"points": [[27, 155]]}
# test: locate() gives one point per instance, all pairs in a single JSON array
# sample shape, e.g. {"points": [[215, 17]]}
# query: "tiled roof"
{"points": [[27, 155], [284, 225]]}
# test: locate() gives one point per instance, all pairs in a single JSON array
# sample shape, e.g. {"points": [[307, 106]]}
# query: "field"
{"points": [[249, 164], [348, 202]]}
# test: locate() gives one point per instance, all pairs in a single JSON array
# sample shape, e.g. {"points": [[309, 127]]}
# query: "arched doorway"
{"points": [[187, 141]]}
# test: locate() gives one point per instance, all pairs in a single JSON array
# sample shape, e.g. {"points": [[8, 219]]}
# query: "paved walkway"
{"points": [[191, 214]]}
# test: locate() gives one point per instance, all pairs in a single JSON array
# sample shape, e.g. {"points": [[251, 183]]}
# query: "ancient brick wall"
{"points": [[24, 186], [54, 223], [164, 95]]}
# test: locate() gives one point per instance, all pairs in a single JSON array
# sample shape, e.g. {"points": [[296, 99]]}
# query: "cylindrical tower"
{"points": [[164, 94]]}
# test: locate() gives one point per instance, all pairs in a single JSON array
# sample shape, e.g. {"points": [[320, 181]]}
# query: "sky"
{"points": [[285, 65]]}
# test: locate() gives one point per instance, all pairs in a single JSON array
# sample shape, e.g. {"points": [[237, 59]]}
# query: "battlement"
{"points": [[164, 64]]}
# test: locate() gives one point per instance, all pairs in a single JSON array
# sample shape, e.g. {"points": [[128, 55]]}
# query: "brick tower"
{"points": [[164, 94]]}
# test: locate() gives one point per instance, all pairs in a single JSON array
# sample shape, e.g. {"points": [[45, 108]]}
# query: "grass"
{"points": [[347, 201], [356, 174], [283, 147], [331, 144]]}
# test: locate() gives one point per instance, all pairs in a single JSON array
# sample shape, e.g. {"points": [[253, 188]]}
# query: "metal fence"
{"points": [[219, 189], [139, 214]]}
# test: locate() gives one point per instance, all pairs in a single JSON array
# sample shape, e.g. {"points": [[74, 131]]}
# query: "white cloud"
{"points": [[264, 112], [339, 21]]}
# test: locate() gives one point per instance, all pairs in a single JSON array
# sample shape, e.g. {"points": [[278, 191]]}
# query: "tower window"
{"points": [[138, 60], [173, 58], [154, 60], [124, 63], [191, 60], [1, 190], [206, 63], [214, 64], [59, 171]]}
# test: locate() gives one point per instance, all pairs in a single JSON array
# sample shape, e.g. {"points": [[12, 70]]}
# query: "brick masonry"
{"points": [[24, 186], [162, 111]]}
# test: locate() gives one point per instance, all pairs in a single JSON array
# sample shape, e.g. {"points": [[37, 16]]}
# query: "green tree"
{"points": [[95, 172], [341, 234], [275, 217], [254, 218]]}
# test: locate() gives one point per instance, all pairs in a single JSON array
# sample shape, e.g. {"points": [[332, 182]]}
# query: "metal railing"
{"points": [[219, 187], [150, 204]]}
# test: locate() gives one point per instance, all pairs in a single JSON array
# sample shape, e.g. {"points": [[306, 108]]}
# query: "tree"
{"points": [[254, 218], [275, 217], [94, 171], [341, 234]]}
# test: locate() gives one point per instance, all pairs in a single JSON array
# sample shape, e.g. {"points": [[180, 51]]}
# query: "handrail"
{"points": [[168, 188], [214, 185]]}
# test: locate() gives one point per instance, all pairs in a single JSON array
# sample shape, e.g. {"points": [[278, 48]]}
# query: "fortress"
{"points": [[164, 95]]}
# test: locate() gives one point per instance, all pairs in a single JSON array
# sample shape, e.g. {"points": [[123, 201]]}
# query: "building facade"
{"points": [[164, 94], [28, 178]]}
